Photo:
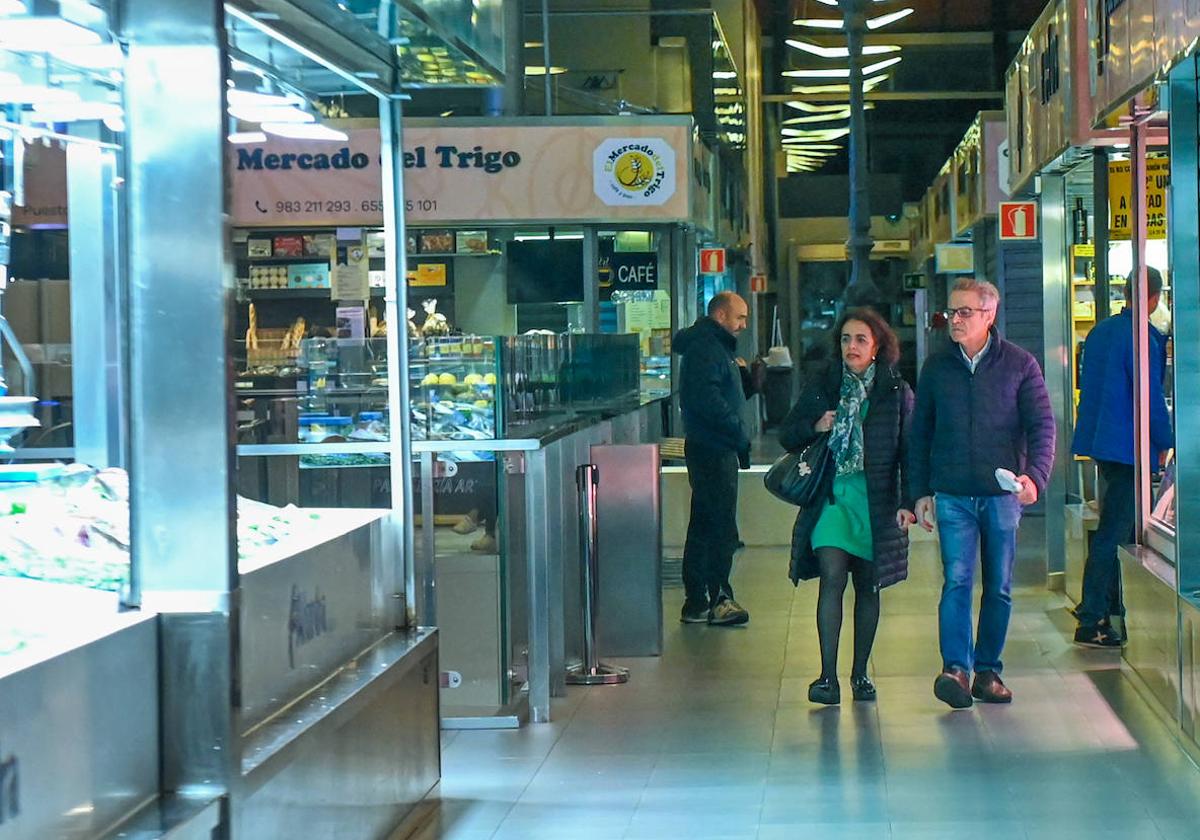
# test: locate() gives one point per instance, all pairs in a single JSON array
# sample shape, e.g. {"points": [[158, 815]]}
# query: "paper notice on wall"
{"points": [[351, 322], [351, 273]]}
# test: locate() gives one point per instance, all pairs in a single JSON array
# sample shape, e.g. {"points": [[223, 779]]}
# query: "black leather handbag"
{"points": [[804, 477]]}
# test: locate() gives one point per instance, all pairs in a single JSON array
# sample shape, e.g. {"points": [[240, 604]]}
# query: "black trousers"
{"points": [[1102, 572], [712, 535]]}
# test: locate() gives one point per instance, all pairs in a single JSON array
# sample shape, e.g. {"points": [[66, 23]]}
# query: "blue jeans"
{"points": [[971, 527]]}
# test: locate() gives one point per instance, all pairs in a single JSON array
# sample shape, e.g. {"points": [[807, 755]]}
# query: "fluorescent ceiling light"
{"points": [[872, 24], [819, 23], [821, 134], [271, 114], [810, 108], [813, 90], [892, 17], [842, 72], [833, 116], [727, 91], [90, 56], [840, 52], [835, 2], [72, 111], [116, 124], [20, 94], [254, 99], [12, 7], [305, 131], [540, 70], [42, 34], [807, 145], [724, 74], [243, 137]]}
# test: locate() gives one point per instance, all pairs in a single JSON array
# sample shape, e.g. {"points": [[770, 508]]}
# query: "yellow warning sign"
{"points": [[1120, 199]]}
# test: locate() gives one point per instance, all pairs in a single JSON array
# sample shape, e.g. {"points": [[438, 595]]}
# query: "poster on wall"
{"points": [[351, 279], [1120, 199], [471, 173]]}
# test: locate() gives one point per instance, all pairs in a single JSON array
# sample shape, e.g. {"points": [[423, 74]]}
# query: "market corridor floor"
{"points": [[716, 740]]}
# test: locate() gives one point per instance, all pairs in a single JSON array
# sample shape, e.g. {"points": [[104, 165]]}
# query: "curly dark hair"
{"points": [[887, 345]]}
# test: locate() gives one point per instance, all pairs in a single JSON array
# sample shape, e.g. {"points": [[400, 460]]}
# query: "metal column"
{"points": [[180, 305], [98, 308], [1185, 263], [537, 535], [398, 533], [1141, 326], [591, 280], [1056, 284]]}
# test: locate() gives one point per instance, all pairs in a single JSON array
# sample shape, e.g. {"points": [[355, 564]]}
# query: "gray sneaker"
{"points": [[727, 613]]}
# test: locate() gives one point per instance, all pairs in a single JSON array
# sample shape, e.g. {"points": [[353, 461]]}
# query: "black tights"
{"points": [[836, 566]]}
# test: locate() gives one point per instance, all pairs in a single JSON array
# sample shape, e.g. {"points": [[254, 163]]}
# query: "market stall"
{"points": [[538, 314], [1152, 92], [244, 649], [1067, 162]]}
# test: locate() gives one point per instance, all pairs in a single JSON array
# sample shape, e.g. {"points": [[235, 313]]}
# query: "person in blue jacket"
{"points": [[1104, 433]]}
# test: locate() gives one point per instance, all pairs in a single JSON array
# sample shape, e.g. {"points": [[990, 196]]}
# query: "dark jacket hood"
{"points": [[705, 329]]}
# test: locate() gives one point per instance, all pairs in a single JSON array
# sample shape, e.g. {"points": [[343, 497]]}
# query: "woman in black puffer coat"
{"points": [[862, 529]]}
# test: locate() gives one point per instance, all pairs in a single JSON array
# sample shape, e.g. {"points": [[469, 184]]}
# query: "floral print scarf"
{"points": [[846, 438]]}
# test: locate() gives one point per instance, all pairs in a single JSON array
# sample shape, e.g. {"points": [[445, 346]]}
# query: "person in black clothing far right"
{"points": [[713, 385]]}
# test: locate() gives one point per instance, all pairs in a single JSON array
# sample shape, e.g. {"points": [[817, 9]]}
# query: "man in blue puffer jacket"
{"points": [[982, 407], [1104, 433], [713, 386]]}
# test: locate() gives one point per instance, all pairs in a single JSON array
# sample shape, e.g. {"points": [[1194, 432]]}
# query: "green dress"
{"points": [[845, 522]]}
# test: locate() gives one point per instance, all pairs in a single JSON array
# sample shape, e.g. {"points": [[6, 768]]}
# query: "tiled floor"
{"points": [[716, 740]]}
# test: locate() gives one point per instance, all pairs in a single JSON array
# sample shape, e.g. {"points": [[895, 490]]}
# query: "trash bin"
{"points": [[777, 395]]}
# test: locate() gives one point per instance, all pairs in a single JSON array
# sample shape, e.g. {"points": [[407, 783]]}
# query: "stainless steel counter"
{"points": [[78, 712]]}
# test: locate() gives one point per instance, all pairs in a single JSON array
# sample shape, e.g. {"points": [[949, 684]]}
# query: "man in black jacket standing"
{"points": [[982, 409], [713, 385]]}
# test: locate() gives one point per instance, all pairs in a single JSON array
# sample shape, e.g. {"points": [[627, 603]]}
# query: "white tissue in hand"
{"points": [[1007, 480]]}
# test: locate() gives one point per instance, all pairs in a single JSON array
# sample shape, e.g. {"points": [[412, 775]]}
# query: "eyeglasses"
{"points": [[964, 313]]}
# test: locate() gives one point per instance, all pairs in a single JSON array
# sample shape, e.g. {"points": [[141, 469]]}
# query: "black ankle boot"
{"points": [[863, 688], [826, 691]]}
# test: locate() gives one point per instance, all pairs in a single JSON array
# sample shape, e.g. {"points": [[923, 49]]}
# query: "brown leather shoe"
{"points": [[989, 689], [953, 688]]}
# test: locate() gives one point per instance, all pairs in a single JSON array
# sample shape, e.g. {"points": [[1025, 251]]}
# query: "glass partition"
{"points": [[61, 153]]}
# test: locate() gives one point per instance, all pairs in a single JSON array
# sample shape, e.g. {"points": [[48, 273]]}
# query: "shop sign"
{"points": [[712, 260], [630, 272], [1120, 199], [10, 789], [954, 258], [480, 173], [1019, 220], [45, 188], [634, 171]]}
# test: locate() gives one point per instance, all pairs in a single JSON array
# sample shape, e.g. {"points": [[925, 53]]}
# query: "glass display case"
{"points": [[454, 385]]}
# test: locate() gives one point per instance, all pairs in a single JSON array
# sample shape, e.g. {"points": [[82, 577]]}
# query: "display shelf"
{"points": [[435, 255], [270, 294], [284, 260]]}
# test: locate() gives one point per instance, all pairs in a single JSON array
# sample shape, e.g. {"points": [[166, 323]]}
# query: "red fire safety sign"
{"points": [[712, 260], [1019, 220]]}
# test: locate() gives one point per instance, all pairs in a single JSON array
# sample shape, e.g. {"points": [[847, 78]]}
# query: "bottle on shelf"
{"points": [[1079, 222]]}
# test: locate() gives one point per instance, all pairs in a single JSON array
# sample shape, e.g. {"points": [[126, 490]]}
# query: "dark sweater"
{"points": [[967, 425], [712, 387]]}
